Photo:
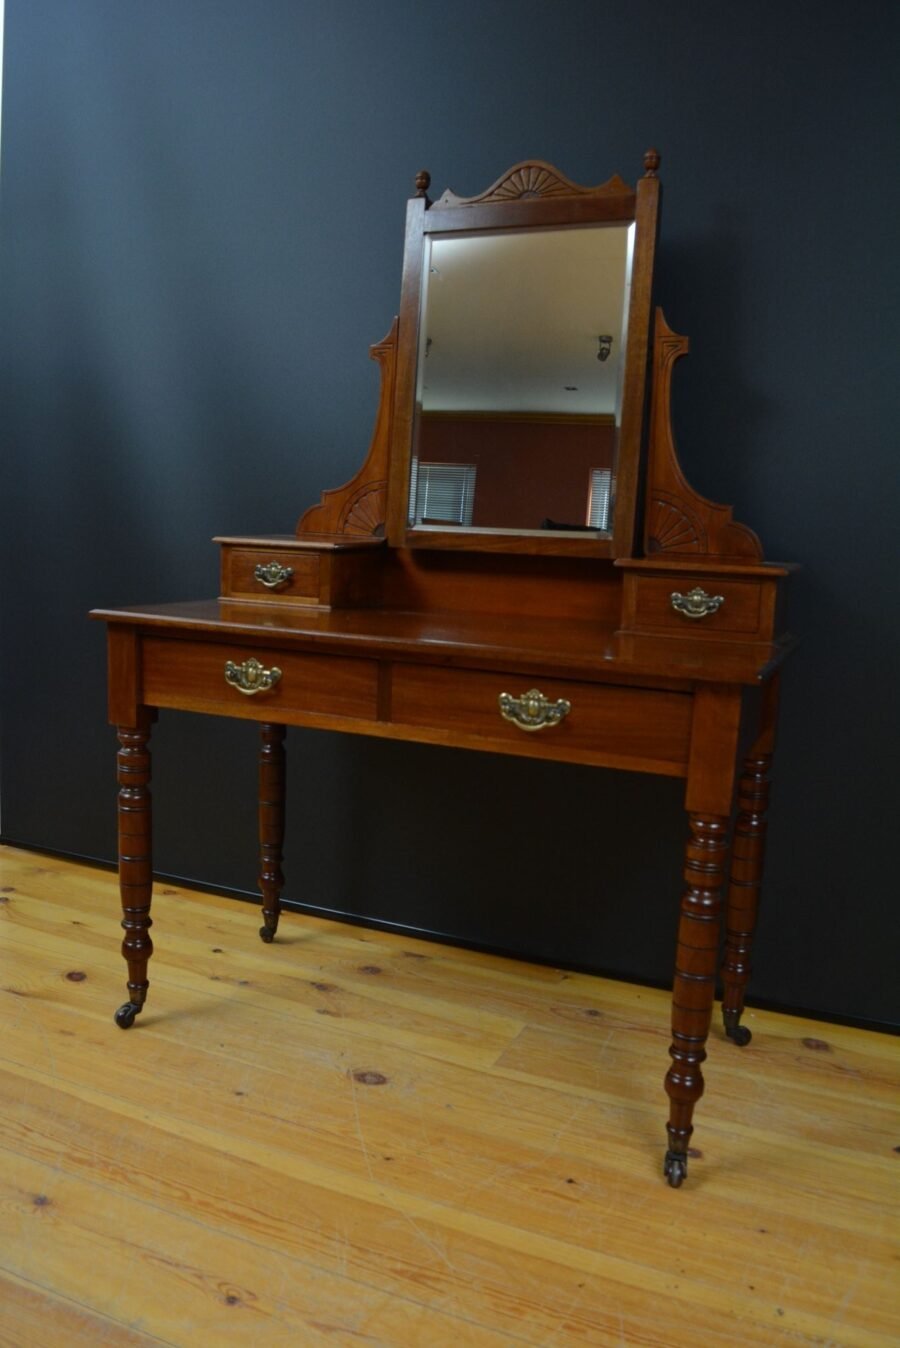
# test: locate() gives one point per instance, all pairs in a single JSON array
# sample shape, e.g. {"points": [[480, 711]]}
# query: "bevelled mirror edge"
{"points": [[531, 196], [637, 356]]}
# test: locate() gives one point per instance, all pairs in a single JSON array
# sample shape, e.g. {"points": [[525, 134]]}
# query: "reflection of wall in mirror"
{"points": [[529, 467]]}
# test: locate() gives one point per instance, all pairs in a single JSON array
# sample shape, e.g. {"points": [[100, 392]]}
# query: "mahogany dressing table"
{"points": [[478, 583]]}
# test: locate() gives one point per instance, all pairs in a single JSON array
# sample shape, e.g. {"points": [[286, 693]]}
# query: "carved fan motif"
{"points": [[531, 180], [671, 528], [364, 513]]}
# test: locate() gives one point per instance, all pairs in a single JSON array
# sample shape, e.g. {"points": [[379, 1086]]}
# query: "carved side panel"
{"points": [[679, 522], [358, 508]]}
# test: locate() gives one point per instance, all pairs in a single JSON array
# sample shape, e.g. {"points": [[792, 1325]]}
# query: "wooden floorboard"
{"points": [[356, 1138]]}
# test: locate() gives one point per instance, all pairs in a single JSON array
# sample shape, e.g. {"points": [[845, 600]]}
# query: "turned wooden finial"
{"points": [[651, 163], [423, 182]]}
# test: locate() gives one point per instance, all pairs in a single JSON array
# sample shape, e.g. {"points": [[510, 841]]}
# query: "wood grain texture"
{"points": [[239, 581], [191, 675], [123, 675], [650, 600], [436, 1147], [533, 643], [645, 728]]}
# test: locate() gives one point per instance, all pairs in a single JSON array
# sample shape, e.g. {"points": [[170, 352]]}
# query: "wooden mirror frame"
{"points": [[529, 195]]}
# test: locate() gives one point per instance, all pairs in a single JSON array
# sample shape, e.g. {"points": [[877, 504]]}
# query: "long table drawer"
{"points": [[191, 675], [606, 724]]}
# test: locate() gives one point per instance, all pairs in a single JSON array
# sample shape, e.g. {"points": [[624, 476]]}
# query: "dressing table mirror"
{"points": [[517, 334], [518, 566]]}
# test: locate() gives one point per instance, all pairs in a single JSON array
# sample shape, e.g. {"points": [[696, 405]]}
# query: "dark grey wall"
{"points": [[200, 234]]}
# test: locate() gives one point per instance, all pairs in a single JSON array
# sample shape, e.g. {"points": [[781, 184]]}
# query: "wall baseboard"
{"points": [[445, 938]]}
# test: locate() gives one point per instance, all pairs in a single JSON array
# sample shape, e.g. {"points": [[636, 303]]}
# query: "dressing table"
{"points": [[519, 566]]}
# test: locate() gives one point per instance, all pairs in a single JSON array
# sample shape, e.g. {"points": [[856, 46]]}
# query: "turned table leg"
{"points": [[695, 981], [748, 854], [271, 825], [135, 860], [743, 891]]}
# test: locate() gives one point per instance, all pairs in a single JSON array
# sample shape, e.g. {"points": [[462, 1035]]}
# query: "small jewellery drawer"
{"points": [[253, 682], [328, 571], [697, 605], [558, 718], [267, 574]]}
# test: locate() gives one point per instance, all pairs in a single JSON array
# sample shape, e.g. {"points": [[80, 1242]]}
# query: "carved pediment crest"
{"points": [[534, 178]]}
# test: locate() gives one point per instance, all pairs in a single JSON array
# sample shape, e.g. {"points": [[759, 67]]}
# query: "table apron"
{"points": [[609, 725]]}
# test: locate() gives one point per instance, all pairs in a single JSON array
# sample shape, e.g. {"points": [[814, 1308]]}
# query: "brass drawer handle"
{"points": [[251, 677], [533, 711], [697, 603], [273, 574]]}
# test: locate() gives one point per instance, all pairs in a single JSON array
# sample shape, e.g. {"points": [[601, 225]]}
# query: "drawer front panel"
{"points": [[651, 604], [191, 675], [606, 724], [239, 580]]}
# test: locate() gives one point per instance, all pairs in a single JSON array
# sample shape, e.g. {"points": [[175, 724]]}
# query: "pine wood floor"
{"points": [[350, 1138]]}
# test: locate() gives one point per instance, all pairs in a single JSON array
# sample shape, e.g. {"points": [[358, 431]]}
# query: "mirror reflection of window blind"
{"points": [[442, 493], [598, 507]]}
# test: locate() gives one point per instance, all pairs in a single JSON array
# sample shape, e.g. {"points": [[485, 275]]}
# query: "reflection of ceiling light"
{"points": [[603, 347]]}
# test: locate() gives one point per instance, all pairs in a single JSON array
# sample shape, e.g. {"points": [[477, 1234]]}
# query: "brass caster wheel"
{"points": [[126, 1014], [675, 1169], [737, 1033], [266, 935]]}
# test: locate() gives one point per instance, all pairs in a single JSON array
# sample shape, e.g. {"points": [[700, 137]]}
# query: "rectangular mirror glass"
{"points": [[519, 379]]}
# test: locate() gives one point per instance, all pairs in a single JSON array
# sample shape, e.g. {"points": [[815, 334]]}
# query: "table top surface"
{"points": [[595, 651]]}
